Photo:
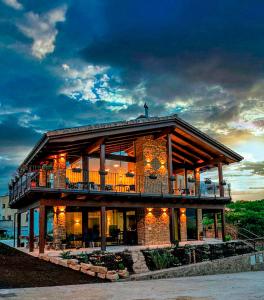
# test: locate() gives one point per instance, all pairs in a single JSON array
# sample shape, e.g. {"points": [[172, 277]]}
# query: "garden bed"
{"points": [[163, 258], [19, 270]]}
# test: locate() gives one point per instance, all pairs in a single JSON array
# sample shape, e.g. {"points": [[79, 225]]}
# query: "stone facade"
{"points": [[151, 158], [59, 225], [153, 227], [59, 167]]}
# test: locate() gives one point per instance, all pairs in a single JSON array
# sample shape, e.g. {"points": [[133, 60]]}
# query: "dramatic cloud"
{"points": [[104, 59], [14, 4], [42, 29]]}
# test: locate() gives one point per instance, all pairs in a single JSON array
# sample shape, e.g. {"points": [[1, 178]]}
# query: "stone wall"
{"points": [[59, 225], [151, 158], [153, 226], [59, 168], [234, 264]]}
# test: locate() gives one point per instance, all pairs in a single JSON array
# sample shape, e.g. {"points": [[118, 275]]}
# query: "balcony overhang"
{"points": [[81, 198]]}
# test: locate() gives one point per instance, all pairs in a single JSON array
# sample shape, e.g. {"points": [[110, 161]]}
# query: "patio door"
{"points": [[191, 224]]}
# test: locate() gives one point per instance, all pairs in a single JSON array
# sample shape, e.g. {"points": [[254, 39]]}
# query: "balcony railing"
{"points": [[77, 179]]}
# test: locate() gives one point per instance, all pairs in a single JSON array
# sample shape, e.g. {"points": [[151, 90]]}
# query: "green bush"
{"points": [[66, 255], [158, 259]]}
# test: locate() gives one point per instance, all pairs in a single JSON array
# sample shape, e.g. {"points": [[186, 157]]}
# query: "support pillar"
{"points": [[220, 177], [172, 224], [85, 171], [85, 226], [223, 224], [102, 166], [18, 229], [197, 181], [216, 225], [42, 222], [31, 230], [199, 219], [170, 165], [183, 224], [103, 228], [186, 181]]}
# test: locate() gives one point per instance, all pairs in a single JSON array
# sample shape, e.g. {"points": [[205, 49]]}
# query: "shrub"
{"points": [[66, 255]]}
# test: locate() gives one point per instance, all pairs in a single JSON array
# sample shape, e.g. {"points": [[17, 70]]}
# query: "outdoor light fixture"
{"points": [[164, 209], [149, 209]]}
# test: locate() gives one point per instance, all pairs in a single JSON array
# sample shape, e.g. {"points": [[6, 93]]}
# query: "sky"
{"points": [[67, 63]]}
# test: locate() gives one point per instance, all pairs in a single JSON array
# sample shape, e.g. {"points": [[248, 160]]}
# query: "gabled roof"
{"points": [[190, 145]]}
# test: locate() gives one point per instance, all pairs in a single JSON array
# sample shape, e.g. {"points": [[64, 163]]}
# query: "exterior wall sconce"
{"points": [[164, 210], [149, 210]]}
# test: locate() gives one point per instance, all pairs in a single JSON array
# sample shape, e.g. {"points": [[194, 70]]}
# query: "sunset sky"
{"points": [[71, 63]]}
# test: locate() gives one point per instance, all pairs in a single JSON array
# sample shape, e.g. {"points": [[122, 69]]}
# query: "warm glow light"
{"points": [[116, 165], [183, 210], [149, 209], [164, 209], [77, 221], [107, 170]]}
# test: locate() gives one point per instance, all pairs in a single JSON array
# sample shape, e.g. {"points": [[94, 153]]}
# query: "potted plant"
{"points": [[103, 172], [208, 181], [153, 176], [130, 174], [191, 179], [46, 167]]}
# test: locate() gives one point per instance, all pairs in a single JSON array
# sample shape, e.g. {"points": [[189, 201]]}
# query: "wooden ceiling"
{"points": [[190, 147]]}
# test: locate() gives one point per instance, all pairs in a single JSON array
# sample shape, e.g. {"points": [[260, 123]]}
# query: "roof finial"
{"points": [[146, 110]]}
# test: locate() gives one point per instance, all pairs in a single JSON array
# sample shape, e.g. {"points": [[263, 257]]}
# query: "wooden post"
{"points": [[31, 230], [170, 165], [186, 181], [18, 229], [197, 181], [102, 166], [85, 171], [85, 226], [103, 232], [42, 221], [216, 225], [172, 222], [223, 224], [220, 177]]}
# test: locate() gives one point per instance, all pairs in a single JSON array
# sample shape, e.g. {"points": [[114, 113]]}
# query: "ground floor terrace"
{"points": [[64, 224]]}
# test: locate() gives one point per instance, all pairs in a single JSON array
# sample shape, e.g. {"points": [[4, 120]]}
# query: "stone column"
{"points": [[59, 225], [59, 168], [153, 226], [151, 158], [183, 225]]}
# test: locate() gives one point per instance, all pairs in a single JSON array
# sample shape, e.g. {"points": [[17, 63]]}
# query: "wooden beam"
{"points": [[223, 224], [183, 154], [85, 168], [116, 157], [216, 225], [210, 162], [31, 230], [164, 132], [170, 164], [177, 155], [221, 179], [42, 223], [18, 229], [195, 145], [95, 146], [183, 149], [103, 228], [102, 166]]}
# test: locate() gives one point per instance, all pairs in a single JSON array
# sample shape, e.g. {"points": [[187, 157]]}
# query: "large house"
{"points": [[130, 182]]}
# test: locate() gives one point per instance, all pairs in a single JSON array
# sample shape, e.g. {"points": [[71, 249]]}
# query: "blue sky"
{"points": [[70, 63]]}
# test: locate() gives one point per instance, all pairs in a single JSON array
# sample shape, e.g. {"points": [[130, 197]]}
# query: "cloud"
{"points": [[42, 29], [256, 168], [14, 4]]}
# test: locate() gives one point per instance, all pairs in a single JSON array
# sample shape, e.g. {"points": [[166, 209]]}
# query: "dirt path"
{"points": [[18, 270]]}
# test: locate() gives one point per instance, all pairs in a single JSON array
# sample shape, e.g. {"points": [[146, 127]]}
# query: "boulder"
{"points": [[101, 275], [112, 276], [98, 269], [63, 262], [86, 266], [72, 261], [123, 274], [75, 267]]}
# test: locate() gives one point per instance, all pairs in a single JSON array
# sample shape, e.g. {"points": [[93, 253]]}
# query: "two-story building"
{"points": [[130, 182]]}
